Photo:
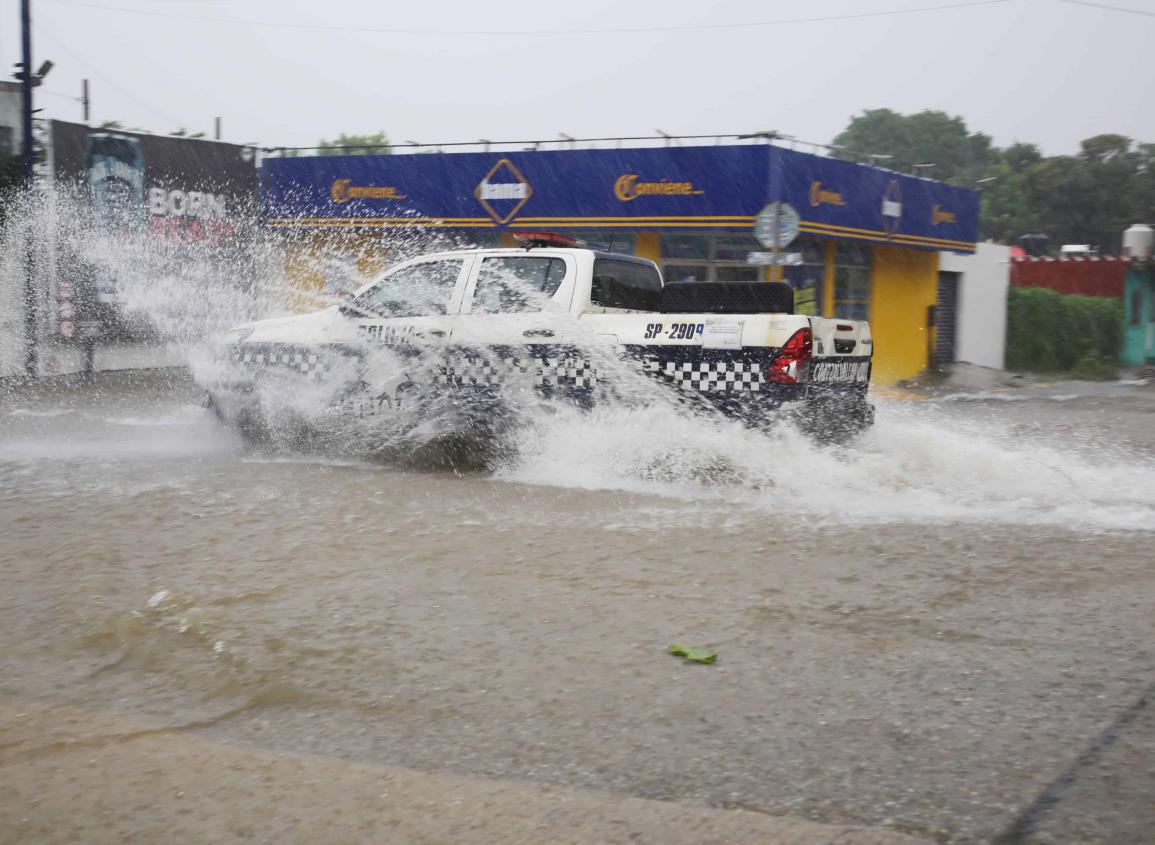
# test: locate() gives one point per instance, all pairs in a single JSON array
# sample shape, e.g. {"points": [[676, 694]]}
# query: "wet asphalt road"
{"points": [[955, 639]]}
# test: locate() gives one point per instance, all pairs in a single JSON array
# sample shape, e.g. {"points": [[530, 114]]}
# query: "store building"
{"points": [[868, 239]]}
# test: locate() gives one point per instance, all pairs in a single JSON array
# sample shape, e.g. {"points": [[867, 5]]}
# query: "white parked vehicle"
{"points": [[479, 328]]}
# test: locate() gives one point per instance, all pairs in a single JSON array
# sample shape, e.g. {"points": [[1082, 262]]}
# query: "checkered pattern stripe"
{"points": [[301, 360], [708, 376], [464, 370]]}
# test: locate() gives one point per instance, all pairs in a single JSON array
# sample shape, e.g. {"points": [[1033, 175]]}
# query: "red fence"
{"points": [[1088, 276]]}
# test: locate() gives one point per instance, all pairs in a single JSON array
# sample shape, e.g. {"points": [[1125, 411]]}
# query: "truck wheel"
{"points": [[836, 421]]}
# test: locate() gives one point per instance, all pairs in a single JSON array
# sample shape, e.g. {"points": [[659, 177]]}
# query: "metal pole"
{"points": [[775, 272], [31, 354], [84, 97], [218, 129], [26, 88]]}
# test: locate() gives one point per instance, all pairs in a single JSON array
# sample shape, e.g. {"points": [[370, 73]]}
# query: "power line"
{"points": [[59, 94], [108, 80], [543, 32], [1109, 8], [564, 139]]}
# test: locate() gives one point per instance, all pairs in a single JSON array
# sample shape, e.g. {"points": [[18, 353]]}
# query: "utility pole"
{"points": [[31, 353], [217, 129], [84, 98]]}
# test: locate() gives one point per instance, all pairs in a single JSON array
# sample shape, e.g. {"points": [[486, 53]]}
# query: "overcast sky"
{"points": [[1046, 71]]}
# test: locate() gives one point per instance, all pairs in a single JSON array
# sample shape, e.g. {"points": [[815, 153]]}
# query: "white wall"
{"points": [[11, 114], [982, 303]]}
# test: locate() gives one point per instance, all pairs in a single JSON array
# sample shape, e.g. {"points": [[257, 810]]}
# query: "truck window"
{"points": [[509, 284], [422, 290], [626, 284]]}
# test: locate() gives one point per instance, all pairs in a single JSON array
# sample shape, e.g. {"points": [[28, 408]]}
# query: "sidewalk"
{"points": [[67, 775]]}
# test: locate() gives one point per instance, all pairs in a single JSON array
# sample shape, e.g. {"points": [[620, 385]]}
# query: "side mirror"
{"points": [[348, 308]]}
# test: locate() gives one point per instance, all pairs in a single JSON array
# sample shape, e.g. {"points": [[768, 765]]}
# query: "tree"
{"points": [[1090, 197], [1145, 183], [1007, 211], [1093, 196], [928, 137], [355, 145]]}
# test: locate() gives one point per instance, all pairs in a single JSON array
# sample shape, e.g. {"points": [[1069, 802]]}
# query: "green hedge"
{"points": [[1050, 332]]}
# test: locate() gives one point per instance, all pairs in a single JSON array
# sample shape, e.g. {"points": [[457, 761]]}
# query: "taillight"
{"points": [[792, 363]]}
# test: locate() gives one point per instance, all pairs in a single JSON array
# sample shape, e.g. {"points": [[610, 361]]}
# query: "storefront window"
{"points": [[735, 247], [852, 282], [709, 258], [479, 240], [807, 278], [748, 273], [685, 273], [605, 241], [695, 247]]}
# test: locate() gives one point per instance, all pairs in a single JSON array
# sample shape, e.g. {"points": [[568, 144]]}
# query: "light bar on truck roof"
{"points": [[531, 239]]}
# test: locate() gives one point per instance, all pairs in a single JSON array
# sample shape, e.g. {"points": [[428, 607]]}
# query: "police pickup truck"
{"points": [[483, 328]]}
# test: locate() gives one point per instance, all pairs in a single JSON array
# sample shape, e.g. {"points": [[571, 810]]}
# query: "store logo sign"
{"points": [[503, 192], [343, 190], [938, 214], [892, 207], [822, 196], [628, 187]]}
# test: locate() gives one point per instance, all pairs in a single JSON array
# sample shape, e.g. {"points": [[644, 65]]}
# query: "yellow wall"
{"points": [[828, 282], [648, 245], [372, 257], [304, 272], [305, 263], [904, 283]]}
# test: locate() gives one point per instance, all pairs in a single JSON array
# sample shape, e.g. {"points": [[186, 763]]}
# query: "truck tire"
{"points": [[836, 421], [727, 298]]}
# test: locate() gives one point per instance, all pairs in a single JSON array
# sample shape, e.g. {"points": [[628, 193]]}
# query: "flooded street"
{"points": [[945, 629]]}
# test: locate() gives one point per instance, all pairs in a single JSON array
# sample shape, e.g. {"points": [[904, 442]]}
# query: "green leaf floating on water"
{"points": [[698, 655]]}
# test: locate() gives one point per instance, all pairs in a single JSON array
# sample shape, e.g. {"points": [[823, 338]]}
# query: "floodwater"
{"points": [[945, 629]]}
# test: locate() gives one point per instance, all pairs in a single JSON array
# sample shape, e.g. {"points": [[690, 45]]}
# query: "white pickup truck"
{"points": [[558, 323]]}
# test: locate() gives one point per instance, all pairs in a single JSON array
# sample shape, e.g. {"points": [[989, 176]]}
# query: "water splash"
{"points": [[918, 465]]}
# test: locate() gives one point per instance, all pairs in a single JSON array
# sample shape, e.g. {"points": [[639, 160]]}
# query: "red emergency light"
{"points": [[531, 239]]}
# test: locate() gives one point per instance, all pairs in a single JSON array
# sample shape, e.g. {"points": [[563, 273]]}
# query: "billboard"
{"points": [[197, 198], [186, 187]]}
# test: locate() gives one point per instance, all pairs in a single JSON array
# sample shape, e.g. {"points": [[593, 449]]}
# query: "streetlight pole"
{"points": [[31, 353]]}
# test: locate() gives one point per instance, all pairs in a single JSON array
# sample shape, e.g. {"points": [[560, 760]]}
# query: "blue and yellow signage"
{"points": [[629, 187], [503, 191], [342, 190], [665, 189]]}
